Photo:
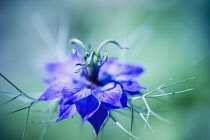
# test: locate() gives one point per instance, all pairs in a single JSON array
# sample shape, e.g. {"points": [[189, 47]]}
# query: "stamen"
{"points": [[74, 51], [104, 58], [105, 43], [83, 65], [78, 42]]}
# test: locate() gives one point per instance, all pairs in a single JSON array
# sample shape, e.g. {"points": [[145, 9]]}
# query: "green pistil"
{"points": [[92, 60]]}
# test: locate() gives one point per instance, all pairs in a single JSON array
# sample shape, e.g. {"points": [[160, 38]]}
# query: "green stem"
{"points": [[16, 87]]}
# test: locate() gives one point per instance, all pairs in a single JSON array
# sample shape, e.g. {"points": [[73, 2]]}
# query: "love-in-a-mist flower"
{"points": [[91, 84]]}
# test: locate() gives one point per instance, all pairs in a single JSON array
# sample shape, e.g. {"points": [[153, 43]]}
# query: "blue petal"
{"points": [[124, 100], [71, 89], [61, 71], [131, 86], [87, 106], [111, 95], [65, 111], [120, 71], [64, 71], [62, 68], [134, 93], [74, 94], [98, 118], [53, 92]]}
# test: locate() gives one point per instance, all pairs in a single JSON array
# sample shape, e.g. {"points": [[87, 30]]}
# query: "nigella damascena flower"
{"points": [[91, 84]]}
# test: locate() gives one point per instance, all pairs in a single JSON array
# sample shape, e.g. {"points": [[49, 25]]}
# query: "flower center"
{"points": [[90, 66], [92, 61]]}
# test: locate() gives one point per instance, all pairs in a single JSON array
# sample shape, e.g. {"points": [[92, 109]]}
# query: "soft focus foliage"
{"points": [[168, 38]]}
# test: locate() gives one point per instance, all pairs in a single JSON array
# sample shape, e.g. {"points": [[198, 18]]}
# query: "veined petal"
{"points": [[127, 72], [134, 93], [65, 111], [108, 63], [59, 68], [120, 71], [111, 95], [53, 92], [131, 86], [73, 95], [87, 106], [71, 89], [64, 71], [61, 78], [98, 118], [124, 100]]}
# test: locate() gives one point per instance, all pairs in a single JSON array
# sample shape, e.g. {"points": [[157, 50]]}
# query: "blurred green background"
{"points": [[170, 39]]}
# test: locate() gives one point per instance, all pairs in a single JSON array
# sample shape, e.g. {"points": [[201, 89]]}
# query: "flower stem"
{"points": [[16, 87]]}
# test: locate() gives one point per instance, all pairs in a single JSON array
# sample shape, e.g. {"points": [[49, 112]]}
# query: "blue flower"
{"points": [[91, 85]]}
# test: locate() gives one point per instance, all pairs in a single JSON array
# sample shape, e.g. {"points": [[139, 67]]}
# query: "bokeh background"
{"points": [[170, 39]]}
